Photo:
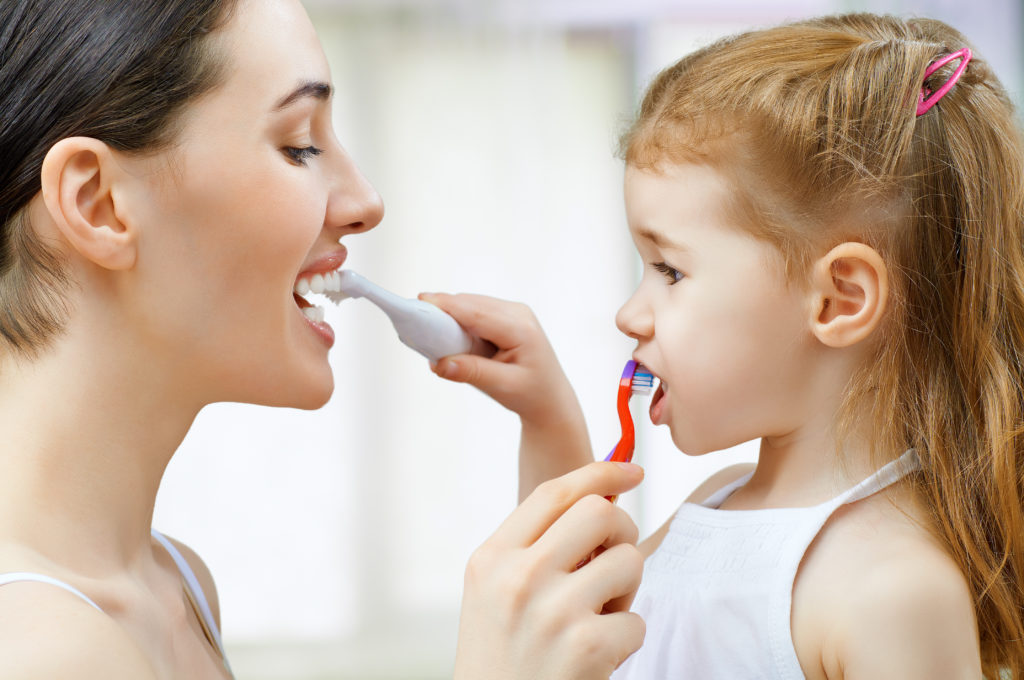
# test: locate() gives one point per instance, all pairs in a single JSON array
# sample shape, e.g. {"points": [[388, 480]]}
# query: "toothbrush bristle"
{"points": [[643, 381]]}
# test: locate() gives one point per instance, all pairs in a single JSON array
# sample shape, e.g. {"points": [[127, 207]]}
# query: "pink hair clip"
{"points": [[927, 99]]}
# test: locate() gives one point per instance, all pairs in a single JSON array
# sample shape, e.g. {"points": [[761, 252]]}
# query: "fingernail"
{"points": [[630, 467], [449, 368]]}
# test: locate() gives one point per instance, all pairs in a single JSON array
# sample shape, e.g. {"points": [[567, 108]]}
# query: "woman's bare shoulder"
{"points": [[46, 632], [203, 575], [708, 487]]}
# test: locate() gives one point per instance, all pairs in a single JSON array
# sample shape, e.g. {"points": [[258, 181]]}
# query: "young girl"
{"points": [[168, 175], [831, 220]]}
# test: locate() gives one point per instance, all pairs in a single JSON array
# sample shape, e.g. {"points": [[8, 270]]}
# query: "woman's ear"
{"points": [[77, 186], [851, 289]]}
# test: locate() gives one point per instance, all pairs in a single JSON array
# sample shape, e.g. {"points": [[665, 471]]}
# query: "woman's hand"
{"points": [[524, 376], [528, 612]]}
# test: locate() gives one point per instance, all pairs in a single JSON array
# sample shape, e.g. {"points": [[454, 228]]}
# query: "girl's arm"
{"points": [[524, 376]]}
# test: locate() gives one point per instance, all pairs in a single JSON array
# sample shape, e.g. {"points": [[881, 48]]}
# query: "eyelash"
{"points": [[302, 154], [674, 275]]}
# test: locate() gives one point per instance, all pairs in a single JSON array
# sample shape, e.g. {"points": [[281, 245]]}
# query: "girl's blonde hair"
{"points": [[816, 124]]}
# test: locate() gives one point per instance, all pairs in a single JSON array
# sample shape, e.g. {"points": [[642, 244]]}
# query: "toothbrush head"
{"points": [[350, 285], [642, 382]]}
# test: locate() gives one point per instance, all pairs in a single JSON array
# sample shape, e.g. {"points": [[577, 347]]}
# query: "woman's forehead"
{"points": [[268, 48]]}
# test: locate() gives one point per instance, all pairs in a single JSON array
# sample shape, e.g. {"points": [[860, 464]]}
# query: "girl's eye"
{"points": [[299, 155], [673, 275]]}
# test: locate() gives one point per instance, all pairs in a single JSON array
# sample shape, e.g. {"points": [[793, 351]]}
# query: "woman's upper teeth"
{"points": [[318, 283]]}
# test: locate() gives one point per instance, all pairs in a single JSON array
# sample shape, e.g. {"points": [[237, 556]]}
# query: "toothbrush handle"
{"points": [[419, 324]]}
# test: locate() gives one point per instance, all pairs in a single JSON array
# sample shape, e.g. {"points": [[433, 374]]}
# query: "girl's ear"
{"points": [[77, 187], [850, 288]]}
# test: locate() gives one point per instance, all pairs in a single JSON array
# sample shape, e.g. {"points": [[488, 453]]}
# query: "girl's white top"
{"points": [[716, 594]]}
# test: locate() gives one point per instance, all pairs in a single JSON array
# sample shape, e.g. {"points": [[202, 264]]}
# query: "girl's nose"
{"points": [[635, 319]]}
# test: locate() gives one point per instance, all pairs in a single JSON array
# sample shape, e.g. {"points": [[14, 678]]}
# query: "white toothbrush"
{"points": [[420, 325]]}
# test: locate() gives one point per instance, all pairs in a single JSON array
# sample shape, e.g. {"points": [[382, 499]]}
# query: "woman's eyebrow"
{"points": [[310, 88]]}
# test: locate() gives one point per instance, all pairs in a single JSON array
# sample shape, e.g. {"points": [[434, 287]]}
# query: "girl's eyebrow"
{"points": [[310, 88], [659, 239]]}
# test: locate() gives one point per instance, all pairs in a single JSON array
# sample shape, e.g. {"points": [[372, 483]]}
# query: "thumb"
{"points": [[485, 374]]}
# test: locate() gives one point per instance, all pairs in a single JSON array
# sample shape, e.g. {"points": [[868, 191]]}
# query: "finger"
{"points": [[609, 582], [493, 377], [614, 637], [591, 523], [551, 499], [500, 321]]}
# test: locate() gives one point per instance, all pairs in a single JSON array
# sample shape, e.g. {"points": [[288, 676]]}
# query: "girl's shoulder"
{"points": [[877, 595]]}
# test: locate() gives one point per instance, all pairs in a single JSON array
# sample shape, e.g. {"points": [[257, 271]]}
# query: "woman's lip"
{"points": [[325, 263], [323, 331]]}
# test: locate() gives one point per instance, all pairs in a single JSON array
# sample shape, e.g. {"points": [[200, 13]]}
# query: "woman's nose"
{"points": [[635, 319], [354, 206]]}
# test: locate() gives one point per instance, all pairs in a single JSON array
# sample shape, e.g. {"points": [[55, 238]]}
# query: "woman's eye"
{"points": [[671, 273], [301, 154]]}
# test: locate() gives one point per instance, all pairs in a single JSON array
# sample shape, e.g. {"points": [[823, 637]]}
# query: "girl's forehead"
{"points": [[672, 193]]}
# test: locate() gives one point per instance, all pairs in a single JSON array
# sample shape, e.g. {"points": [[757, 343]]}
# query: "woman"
{"points": [[168, 172]]}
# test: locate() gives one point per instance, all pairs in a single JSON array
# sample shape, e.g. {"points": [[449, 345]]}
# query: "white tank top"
{"points": [[717, 592]]}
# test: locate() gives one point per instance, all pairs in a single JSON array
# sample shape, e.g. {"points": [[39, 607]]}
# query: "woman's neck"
{"points": [[89, 429]]}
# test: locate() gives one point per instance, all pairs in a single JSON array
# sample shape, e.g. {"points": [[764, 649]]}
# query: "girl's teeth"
{"points": [[316, 284], [302, 287]]}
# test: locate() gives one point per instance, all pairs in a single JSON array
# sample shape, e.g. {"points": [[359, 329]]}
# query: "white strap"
{"points": [[887, 475], [192, 583], [20, 576]]}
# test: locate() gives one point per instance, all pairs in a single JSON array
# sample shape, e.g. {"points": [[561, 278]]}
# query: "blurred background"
{"points": [[338, 537]]}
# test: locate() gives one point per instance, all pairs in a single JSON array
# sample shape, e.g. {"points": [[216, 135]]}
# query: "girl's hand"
{"points": [[528, 612], [524, 376]]}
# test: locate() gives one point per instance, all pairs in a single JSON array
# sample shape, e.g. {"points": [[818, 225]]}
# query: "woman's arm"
{"points": [[524, 376], [528, 612]]}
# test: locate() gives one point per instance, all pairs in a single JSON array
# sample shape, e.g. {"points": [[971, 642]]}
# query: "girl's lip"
{"points": [[657, 407], [325, 263]]}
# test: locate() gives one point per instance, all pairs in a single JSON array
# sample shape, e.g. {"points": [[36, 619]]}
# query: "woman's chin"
{"points": [[309, 395]]}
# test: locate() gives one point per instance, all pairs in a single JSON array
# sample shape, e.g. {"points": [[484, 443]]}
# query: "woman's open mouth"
{"points": [[315, 283]]}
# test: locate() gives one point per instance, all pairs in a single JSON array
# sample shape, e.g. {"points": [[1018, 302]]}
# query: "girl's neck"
{"points": [[809, 464], [89, 431]]}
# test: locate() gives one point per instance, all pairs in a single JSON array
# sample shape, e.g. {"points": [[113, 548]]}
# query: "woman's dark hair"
{"points": [[120, 71]]}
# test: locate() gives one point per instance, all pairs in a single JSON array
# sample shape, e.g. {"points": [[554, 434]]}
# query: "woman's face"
{"points": [[254, 196]]}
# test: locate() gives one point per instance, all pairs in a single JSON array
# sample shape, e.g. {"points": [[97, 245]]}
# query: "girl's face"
{"points": [[253, 197], [713, 315]]}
